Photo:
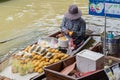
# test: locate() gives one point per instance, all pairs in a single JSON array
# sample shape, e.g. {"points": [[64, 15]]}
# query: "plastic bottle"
{"points": [[110, 35]]}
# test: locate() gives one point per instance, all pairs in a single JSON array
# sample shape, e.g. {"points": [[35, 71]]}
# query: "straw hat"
{"points": [[73, 12]]}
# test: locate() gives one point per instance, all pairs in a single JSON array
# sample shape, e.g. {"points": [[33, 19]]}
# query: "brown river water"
{"points": [[25, 21]]}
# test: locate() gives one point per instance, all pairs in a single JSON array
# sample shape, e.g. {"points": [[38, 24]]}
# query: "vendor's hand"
{"points": [[70, 33]]}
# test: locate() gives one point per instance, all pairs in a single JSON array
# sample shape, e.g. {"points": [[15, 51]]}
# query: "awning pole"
{"points": [[104, 45]]}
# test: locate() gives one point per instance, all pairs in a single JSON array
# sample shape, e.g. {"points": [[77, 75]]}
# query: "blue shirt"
{"points": [[78, 27]]}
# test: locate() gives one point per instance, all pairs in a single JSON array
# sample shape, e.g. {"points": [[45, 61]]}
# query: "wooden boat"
{"points": [[87, 39], [53, 73], [99, 74], [97, 48]]}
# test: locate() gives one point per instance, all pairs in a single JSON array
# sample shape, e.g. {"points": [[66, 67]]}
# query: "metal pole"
{"points": [[104, 45]]}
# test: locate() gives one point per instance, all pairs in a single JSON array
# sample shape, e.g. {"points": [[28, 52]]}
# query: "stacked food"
{"points": [[34, 58]]}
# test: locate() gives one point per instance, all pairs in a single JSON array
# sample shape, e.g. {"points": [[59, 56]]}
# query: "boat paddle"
{"points": [[4, 41], [93, 34], [1, 42]]}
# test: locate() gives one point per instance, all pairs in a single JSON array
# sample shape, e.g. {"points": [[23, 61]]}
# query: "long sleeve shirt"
{"points": [[78, 27]]}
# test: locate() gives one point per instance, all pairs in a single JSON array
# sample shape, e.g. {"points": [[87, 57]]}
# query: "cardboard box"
{"points": [[89, 61]]}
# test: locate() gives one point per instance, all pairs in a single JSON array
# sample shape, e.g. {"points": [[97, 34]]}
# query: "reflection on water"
{"points": [[31, 19]]}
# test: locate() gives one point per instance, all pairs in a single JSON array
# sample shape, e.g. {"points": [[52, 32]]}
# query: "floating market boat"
{"points": [[39, 55], [54, 73]]}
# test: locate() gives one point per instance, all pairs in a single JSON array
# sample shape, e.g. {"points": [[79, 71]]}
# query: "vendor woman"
{"points": [[73, 26]]}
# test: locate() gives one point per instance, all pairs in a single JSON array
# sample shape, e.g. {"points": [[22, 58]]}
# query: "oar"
{"points": [[1, 42], [93, 34]]}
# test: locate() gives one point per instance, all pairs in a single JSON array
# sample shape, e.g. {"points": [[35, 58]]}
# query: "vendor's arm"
{"points": [[64, 28]]}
